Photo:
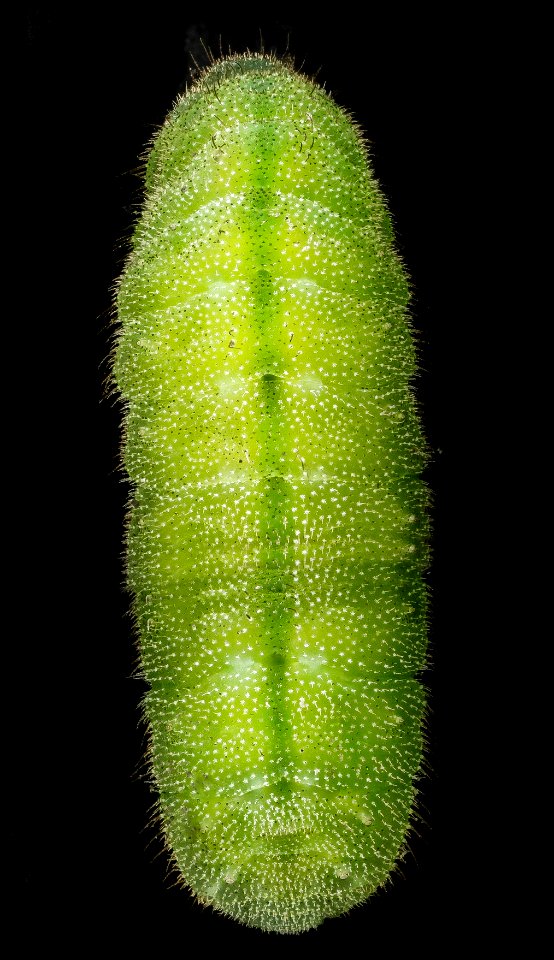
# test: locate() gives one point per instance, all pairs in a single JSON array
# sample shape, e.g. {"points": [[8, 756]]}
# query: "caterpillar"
{"points": [[276, 544]]}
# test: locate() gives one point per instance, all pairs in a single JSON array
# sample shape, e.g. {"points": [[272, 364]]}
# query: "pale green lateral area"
{"points": [[277, 536]]}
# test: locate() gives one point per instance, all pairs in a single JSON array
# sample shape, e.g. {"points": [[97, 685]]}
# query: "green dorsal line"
{"points": [[276, 516]]}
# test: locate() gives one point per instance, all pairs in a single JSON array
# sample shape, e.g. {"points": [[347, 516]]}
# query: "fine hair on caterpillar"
{"points": [[276, 545]]}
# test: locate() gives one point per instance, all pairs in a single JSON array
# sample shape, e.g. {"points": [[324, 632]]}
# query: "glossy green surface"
{"points": [[277, 535]]}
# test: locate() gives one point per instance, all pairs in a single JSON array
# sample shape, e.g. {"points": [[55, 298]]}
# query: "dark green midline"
{"points": [[277, 519]]}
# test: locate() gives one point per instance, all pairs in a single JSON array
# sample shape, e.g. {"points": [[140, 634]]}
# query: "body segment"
{"points": [[276, 539]]}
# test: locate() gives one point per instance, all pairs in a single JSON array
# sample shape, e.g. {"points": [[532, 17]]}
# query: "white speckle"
{"points": [[257, 783], [318, 477], [305, 284], [230, 477], [241, 666], [308, 778], [309, 383], [219, 288], [230, 386], [312, 664]]}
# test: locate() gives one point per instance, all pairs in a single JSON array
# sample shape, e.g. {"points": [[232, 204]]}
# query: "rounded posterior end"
{"points": [[284, 872], [282, 891]]}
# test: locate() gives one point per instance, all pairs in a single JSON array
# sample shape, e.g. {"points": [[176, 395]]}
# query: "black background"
{"points": [[96, 83]]}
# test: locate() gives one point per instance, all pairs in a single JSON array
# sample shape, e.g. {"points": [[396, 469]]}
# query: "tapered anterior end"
{"points": [[249, 62], [243, 64]]}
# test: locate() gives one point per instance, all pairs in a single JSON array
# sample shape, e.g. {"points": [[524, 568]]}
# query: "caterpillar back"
{"points": [[276, 543]]}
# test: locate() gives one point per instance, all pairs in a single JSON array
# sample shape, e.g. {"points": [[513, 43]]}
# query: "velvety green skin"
{"points": [[277, 535]]}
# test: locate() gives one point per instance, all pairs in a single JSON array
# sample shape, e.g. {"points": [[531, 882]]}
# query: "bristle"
{"points": [[277, 537]]}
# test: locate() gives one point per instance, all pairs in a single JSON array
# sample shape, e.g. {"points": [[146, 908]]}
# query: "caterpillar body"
{"points": [[277, 536]]}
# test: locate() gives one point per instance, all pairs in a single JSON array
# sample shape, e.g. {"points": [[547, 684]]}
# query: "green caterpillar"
{"points": [[277, 538]]}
